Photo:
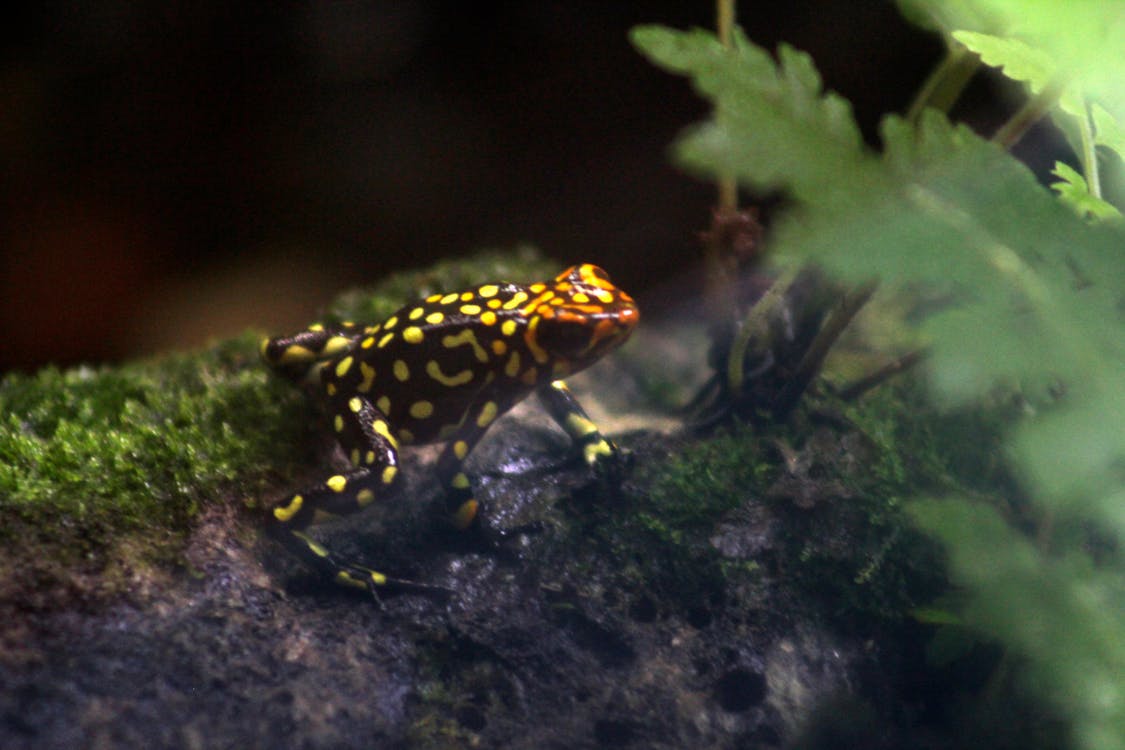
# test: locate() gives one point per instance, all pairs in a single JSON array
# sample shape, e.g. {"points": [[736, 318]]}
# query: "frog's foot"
{"points": [[469, 520], [374, 582], [610, 468]]}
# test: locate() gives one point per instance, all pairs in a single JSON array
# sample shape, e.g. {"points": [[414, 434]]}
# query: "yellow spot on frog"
{"points": [[391, 323], [495, 303], [594, 450], [317, 549], [330, 389], [355, 404], [488, 317], [421, 409], [337, 483], [579, 426], [487, 414], [343, 366], [387, 338], [401, 370], [466, 296], [416, 313], [368, 342], [460, 449], [406, 436], [537, 351], [467, 336], [517, 299], [470, 309], [537, 287], [284, 513], [383, 404], [368, 377], [363, 498], [460, 481], [449, 299], [433, 369], [294, 354], [369, 457], [580, 298], [335, 345], [389, 473], [488, 290], [465, 514], [509, 327], [413, 335], [434, 318], [381, 429], [499, 348], [338, 423], [512, 368]]}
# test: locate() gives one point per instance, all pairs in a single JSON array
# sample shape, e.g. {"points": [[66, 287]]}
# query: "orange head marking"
{"points": [[582, 316]]}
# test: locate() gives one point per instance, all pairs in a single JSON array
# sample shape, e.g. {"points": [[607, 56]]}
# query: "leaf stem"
{"points": [[1089, 153], [724, 25], [724, 20], [945, 83], [1030, 113]]}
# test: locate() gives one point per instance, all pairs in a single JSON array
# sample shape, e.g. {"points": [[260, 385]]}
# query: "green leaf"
{"points": [[1022, 62], [1107, 130], [1083, 38], [943, 15], [1074, 192], [1035, 305], [1018, 60], [1062, 611], [802, 139]]}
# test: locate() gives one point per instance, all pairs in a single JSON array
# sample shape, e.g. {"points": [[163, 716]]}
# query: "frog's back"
{"points": [[426, 364]]}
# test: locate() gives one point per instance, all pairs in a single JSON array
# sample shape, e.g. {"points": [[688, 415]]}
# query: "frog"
{"points": [[442, 370]]}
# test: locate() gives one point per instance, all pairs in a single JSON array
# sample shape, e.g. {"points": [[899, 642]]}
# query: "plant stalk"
{"points": [[945, 83], [1089, 153], [1030, 113], [724, 25]]}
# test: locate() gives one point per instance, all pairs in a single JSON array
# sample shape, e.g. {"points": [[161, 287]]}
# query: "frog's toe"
{"points": [[614, 465]]}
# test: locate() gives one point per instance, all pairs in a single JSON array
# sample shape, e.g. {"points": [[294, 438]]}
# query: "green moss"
{"points": [[88, 453], [716, 516], [659, 535]]}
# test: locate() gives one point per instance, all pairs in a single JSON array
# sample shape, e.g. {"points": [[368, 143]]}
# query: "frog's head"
{"points": [[578, 318]]}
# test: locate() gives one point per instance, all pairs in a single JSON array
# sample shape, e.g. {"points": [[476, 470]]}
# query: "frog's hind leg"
{"points": [[375, 474], [298, 354]]}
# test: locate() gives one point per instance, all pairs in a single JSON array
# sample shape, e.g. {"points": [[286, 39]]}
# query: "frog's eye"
{"points": [[568, 339]]}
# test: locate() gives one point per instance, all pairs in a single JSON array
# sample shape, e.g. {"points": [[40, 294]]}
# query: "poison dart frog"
{"points": [[443, 369]]}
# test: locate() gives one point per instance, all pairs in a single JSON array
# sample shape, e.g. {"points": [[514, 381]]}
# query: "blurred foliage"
{"points": [[1034, 302]]}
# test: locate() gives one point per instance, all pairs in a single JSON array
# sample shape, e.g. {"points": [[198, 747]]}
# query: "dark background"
{"points": [[174, 172]]}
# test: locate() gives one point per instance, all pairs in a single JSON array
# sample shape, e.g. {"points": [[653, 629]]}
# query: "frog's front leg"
{"points": [[363, 431], [459, 495], [560, 403]]}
